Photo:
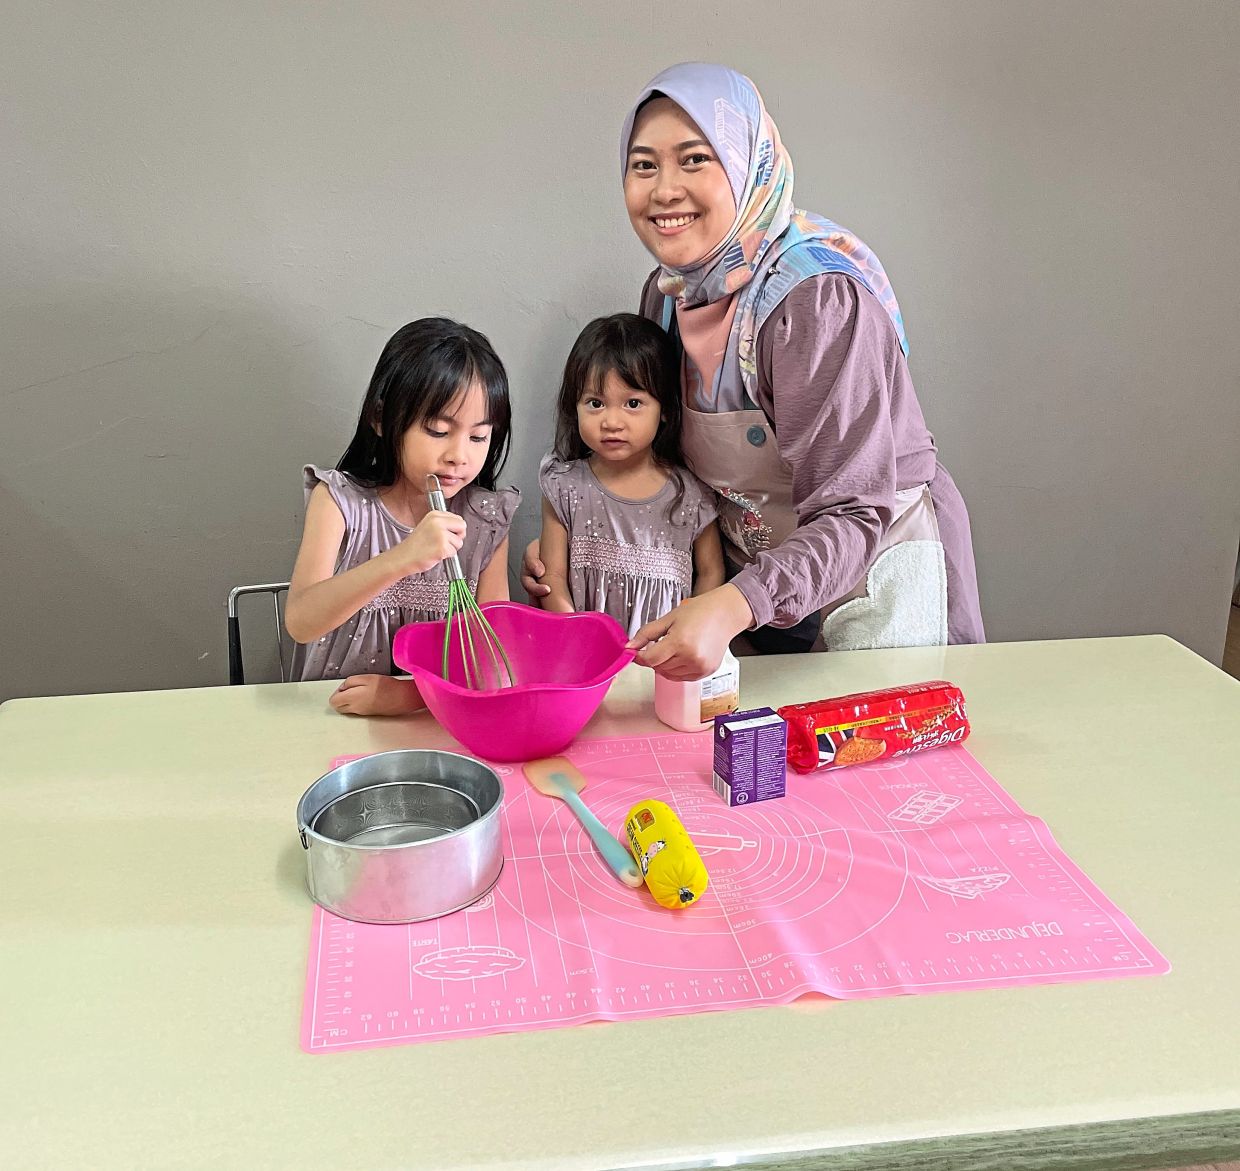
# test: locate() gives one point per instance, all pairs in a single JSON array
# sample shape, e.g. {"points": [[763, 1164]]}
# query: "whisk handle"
{"points": [[438, 504]]}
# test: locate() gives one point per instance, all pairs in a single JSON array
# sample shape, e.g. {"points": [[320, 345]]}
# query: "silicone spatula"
{"points": [[558, 777]]}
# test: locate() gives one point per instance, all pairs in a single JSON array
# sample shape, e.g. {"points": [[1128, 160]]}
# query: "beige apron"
{"points": [[902, 599]]}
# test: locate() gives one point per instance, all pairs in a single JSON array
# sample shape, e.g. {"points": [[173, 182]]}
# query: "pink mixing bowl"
{"points": [[563, 663]]}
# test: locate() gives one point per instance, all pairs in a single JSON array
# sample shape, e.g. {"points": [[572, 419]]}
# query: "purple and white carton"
{"points": [[750, 756]]}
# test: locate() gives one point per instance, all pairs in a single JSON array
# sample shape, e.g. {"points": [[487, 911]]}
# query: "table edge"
{"points": [[1133, 1144]]}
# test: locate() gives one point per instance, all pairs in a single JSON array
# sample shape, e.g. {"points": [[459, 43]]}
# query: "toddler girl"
{"points": [[626, 528]]}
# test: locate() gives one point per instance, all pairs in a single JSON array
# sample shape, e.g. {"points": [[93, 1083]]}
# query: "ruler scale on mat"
{"points": [[907, 876]]}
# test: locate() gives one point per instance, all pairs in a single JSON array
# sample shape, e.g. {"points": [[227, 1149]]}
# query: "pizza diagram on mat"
{"points": [[467, 963], [971, 887]]}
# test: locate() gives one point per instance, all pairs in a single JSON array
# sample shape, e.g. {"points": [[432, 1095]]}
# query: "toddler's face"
{"points": [[452, 447], [618, 422]]}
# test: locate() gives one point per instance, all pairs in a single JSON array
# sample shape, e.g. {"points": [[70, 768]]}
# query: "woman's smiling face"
{"points": [[675, 188]]}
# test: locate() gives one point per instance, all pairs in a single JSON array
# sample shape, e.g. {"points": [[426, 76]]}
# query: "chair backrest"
{"points": [[236, 664]]}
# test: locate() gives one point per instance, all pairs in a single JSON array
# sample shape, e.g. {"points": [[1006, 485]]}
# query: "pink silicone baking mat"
{"points": [[914, 876]]}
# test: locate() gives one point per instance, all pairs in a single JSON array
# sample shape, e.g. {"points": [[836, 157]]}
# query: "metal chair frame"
{"points": [[236, 665]]}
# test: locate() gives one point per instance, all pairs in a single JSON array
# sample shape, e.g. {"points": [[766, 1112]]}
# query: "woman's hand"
{"points": [[689, 643], [531, 570], [377, 695], [437, 536]]}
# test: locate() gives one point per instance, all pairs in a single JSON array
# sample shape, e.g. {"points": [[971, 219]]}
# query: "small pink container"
{"points": [[563, 663]]}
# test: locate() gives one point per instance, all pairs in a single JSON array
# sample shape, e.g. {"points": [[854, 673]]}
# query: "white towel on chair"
{"points": [[905, 603]]}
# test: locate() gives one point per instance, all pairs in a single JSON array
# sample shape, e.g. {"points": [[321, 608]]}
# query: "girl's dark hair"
{"points": [[424, 366], [646, 358]]}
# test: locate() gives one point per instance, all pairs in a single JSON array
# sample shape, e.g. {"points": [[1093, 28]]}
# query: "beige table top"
{"points": [[155, 930]]}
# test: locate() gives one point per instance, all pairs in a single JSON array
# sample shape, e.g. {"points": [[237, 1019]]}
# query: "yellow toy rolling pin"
{"points": [[665, 854]]}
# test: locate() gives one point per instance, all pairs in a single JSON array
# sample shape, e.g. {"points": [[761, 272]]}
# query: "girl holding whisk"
{"points": [[372, 548], [627, 529]]}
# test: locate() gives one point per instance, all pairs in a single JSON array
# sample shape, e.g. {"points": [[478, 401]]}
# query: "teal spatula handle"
{"points": [[614, 854]]}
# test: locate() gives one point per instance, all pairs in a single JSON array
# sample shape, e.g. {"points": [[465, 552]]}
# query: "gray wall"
{"points": [[215, 214]]}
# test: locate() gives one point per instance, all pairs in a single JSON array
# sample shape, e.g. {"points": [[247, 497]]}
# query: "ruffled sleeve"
{"points": [[344, 491], [555, 479], [490, 513], [703, 496]]}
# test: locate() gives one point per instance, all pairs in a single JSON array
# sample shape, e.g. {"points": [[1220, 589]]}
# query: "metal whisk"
{"points": [[484, 661]]}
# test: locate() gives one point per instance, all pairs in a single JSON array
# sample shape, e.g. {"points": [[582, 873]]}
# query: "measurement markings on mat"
{"points": [[904, 876]]}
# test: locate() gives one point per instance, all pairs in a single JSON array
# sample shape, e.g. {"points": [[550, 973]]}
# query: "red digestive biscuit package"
{"points": [[855, 729]]}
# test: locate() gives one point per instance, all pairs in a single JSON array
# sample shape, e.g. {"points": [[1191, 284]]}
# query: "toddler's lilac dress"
{"points": [[632, 559]]}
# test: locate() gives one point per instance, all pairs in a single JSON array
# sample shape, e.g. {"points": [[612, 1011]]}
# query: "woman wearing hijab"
{"points": [[839, 523]]}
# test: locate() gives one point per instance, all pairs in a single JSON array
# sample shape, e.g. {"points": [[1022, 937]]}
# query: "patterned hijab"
{"points": [[769, 237]]}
